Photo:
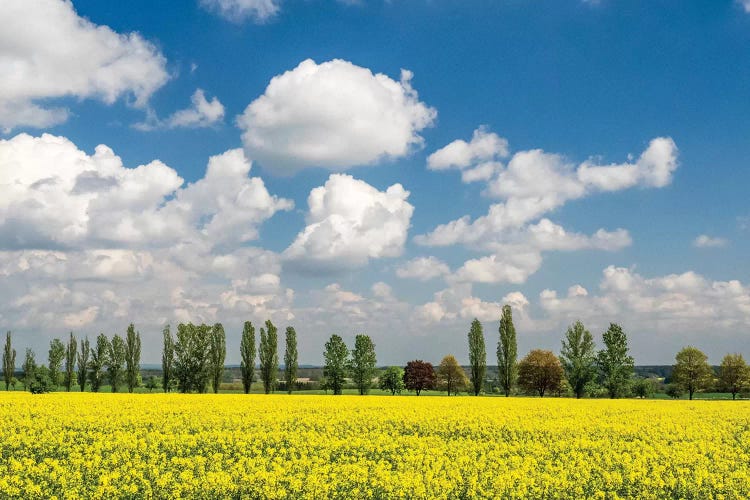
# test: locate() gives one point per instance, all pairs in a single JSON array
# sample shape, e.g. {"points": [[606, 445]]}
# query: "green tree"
{"points": [[115, 362], [290, 359], [191, 352], [247, 353], [507, 352], [691, 371], [217, 355], [167, 359], [362, 363], [83, 363], [54, 361], [269, 356], [578, 358], [71, 352], [540, 371], [132, 357], [614, 363], [477, 356], [152, 383], [9, 361], [99, 360], [334, 369], [674, 391], [392, 379], [42, 381], [734, 374], [29, 365], [419, 376], [450, 376], [643, 388]]}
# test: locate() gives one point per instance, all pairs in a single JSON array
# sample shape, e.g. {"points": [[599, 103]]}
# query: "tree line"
{"points": [[193, 361]]}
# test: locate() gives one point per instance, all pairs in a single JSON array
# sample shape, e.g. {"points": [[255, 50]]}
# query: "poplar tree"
{"points": [[507, 352], [362, 363], [218, 353], [167, 360], [578, 358], [269, 356], [247, 353], [334, 369], [83, 363], [70, 362], [290, 359], [132, 357], [615, 365], [54, 361], [99, 360], [9, 361], [29, 367], [115, 361], [477, 356], [191, 357]]}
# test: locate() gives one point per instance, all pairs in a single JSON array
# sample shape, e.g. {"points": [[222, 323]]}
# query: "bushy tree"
{"points": [[29, 365], [247, 353], [54, 361], [507, 352], [290, 359], [541, 372], [477, 356], [99, 361], [269, 356], [132, 357], [116, 362], [191, 351], [734, 374], [217, 355], [674, 391], [83, 363], [362, 363], [643, 388], [167, 359], [9, 361], [578, 358], [334, 369], [692, 372], [450, 376], [392, 379], [419, 376], [614, 363], [42, 381], [152, 383]]}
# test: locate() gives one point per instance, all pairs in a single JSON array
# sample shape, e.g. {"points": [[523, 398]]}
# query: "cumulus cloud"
{"points": [[50, 52], [202, 113], [477, 159], [745, 4], [241, 10], [423, 268], [333, 115], [705, 241]]}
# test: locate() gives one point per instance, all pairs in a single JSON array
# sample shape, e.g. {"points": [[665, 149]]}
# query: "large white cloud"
{"points": [[333, 115], [350, 222], [49, 52]]}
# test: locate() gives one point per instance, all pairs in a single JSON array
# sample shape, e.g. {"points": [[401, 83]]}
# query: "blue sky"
{"points": [[609, 150]]}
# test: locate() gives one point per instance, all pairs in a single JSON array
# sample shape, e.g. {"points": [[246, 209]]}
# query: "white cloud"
{"points": [[333, 115], [350, 222], [745, 5], [705, 241], [202, 113], [423, 268], [476, 159], [49, 52], [240, 10]]}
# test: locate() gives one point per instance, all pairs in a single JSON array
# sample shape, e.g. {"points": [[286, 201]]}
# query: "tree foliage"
{"points": [[477, 356], [362, 363], [269, 356], [643, 388], [392, 379], [191, 351], [578, 358], [42, 381], [83, 363], [167, 359], [734, 374], [450, 376], [99, 360], [334, 370], [507, 352], [614, 363], [71, 352], [540, 372], [115, 362], [290, 359], [247, 353], [29, 365], [9, 361], [691, 371], [419, 376], [217, 355], [132, 357], [54, 361]]}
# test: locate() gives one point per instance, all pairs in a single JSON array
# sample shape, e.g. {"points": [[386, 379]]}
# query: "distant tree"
{"points": [[83, 363], [71, 352], [115, 362], [734, 374], [540, 371], [451, 376], [42, 381], [54, 361], [578, 358], [507, 352], [29, 365], [99, 361], [643, 388], [269, 356], [191, 351], [674, 391], [132, 357], [392, 379], [362, 363], [152, 383], [334, 370], [692, 372], [290, 359], [247, 352], [477, 356], [419, 376], [614, 363], [217, 355], [167, 359], [9, 361]]}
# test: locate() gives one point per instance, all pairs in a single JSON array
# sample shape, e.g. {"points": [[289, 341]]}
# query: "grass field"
{"points": [[74, 445]]}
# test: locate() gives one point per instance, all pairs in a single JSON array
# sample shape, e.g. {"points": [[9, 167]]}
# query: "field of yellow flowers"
{"points": [[237, 446]]}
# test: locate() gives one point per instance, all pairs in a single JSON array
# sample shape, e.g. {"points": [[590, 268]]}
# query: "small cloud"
{"points": [[745, 4], [705, 241], [202, 113]]}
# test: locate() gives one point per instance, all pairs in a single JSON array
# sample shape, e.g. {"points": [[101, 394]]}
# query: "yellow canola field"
{"points": [[237, 446]]}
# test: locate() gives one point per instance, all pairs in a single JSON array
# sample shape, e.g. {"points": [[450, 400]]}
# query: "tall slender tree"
{"points": [[477, 356], [507, 352], [334, 369], [29, 367], [83, 363], [217, 355], [614, 363], [247, 353], [99, 361], [191, 351], [269, 356], [691, 371], [9, 361], [578, 358], [132, 357], [70, 362], [362, 363], [290, 359], [115, 362], [54, 361], [167, 360]]}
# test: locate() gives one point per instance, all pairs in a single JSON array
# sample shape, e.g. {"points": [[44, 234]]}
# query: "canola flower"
{"points": [[72, 445]]}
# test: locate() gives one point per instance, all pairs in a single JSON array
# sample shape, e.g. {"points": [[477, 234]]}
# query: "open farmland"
{"points": [[73, 445]]}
